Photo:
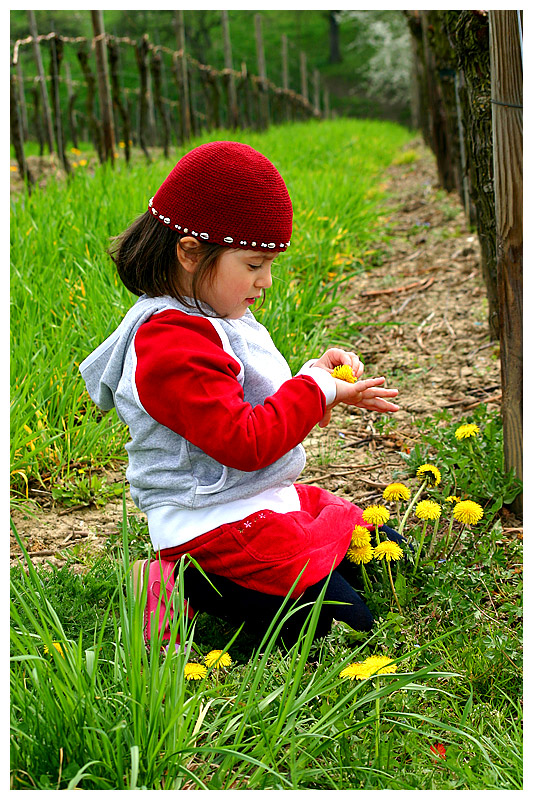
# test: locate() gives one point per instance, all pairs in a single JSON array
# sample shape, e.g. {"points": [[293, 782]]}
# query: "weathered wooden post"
{"points": [[303, 77], [507, 115], [22, 100], [104, 93], [141, 53], [122, 107], [316, 92], [285, 75], [16, 133], [156, 72], [71, 98], [49, 130], [56, 53], [233, 110], [184, 79], [261, 66]]}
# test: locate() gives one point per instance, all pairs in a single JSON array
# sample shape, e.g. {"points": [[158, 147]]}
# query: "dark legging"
{"points": [[237, 604]]}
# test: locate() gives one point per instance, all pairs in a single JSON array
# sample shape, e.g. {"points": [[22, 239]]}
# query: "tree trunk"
{"points": [[506, 72], [49, 130], [102, 74], [468, 32], [335, 56]]}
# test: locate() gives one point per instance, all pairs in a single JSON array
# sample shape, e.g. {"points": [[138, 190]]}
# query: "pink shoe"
{"points": [[159, 572]]}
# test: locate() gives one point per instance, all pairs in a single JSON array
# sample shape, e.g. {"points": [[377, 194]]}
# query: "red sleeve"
{"points": [[187, 382]]}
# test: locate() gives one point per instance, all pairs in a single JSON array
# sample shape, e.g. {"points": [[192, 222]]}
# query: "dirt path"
{"points": [[427, 333]]}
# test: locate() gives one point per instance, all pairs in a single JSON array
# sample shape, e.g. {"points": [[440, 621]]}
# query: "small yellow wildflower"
{"points": [[195, 672], [57, 647], [468, 512], [380, 665], [82, 162], [344, 373], [217, 658], [360, 555], [358, 671], [376, 515], [465, 431], [427, 509], [453, 499], [360, 536], [389, 551], [429, 473], [75, 151], [396, 491]]}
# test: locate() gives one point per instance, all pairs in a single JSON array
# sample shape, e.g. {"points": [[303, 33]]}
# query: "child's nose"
{"points": [[264, 279]]}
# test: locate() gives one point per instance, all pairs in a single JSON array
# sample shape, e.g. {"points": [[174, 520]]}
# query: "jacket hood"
{"points": [[102, 369]]}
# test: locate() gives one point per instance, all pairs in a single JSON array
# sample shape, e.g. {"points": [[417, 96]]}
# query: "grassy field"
{"points": [[66, 298], [90, 707]]}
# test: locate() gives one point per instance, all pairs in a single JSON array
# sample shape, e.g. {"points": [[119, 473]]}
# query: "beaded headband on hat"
{"points": [[226, 193]]}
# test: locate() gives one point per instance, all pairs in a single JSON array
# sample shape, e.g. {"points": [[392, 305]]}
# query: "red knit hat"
{"points": [[229, 194]]}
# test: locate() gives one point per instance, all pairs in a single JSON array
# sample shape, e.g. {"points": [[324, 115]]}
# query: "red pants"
{"points": [[267, 550]]}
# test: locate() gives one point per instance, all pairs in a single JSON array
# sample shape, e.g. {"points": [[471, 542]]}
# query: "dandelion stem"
{"points": [[456, 541], [368, 587], [377, 719], [433, 537], [410, 506], [420, 546], [393, 589]]}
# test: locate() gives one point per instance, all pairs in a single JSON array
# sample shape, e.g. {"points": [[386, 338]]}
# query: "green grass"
{"points": [[66, 298], [103, 713], [106, 714]]}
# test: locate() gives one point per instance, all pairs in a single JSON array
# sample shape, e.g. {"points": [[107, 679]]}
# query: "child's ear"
{"points": [[186, 250]]}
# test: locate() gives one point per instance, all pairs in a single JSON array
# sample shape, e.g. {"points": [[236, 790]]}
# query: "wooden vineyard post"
{"points": [[183, 76], [303, 76], [506, 83], [16, 133], [163, 118], [122, 107], [104, 92], [141, 53], [316, 91], [261, 66], [94, 124], [56, 53], [285, 75], [70, 111], [49, 130], [22, 101], [233, 109]]}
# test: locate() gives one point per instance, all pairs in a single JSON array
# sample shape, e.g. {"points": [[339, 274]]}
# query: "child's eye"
{"points": [[255, 266]]}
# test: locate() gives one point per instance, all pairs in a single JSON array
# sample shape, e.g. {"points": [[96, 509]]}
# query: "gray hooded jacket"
{"points": [[164, 468]]}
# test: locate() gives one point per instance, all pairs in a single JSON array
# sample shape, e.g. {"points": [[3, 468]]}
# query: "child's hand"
{"points": [[335, 357], [369, 394]]}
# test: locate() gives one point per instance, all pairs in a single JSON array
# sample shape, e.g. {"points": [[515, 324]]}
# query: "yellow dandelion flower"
{"points": [[57, 647], [195, 672], [429, 473], [466, 431], [396, 491], [389, 551], [468, 512], [360, 536], [344, 373], [82, 162], [217, 658], [453, 499], [376, 515], [360, 555], [358, 671], [381, 665], [427, 509]]}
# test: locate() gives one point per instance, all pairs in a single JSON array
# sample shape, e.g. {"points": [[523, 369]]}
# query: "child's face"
{"points": [[238, 281]]}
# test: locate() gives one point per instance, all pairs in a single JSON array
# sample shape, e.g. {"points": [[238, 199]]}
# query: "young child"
{"points": [[215, 417]]}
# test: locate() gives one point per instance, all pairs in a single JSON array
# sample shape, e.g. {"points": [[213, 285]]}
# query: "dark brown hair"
{"points": [[146, 258]]}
